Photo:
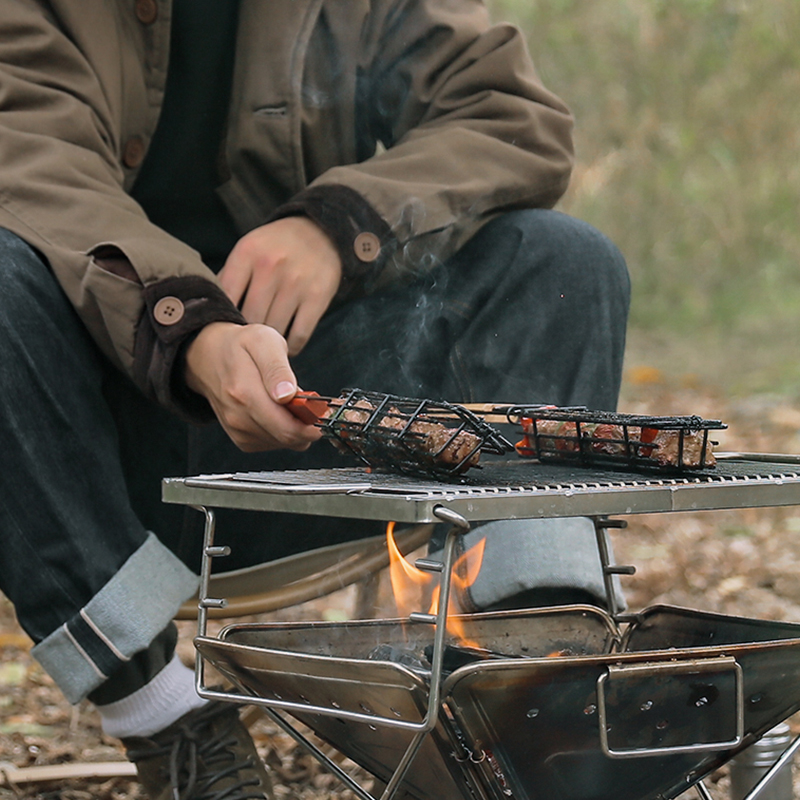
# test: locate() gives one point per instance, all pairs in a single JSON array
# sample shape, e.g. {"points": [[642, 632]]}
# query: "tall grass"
{"points": [[688, 145]]}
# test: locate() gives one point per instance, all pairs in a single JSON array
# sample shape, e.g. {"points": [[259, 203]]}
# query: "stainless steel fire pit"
{"points": [[569, 703]]}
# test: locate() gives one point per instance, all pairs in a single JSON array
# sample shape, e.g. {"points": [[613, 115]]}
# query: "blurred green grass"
{"points": [[688, 126]]}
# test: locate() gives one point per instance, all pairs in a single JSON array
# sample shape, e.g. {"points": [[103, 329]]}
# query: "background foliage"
{"points": [[688, 124]]}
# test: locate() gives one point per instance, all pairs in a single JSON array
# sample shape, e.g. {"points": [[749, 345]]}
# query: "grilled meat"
{"points": [[664, 446], [668, 446], [434, 442]]}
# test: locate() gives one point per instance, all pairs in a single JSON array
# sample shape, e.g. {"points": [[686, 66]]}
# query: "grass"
{"points": [[688, 134]]}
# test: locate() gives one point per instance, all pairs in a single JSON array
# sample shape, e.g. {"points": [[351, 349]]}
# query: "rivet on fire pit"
{"points": [[533, 712], [756, 698], [646, 706], [662, 725], [590, 709]]}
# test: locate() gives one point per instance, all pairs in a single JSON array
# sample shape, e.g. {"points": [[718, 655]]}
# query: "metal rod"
{"points": [[768, 777], [693, 666], [459, 527], [605, 560], [702, 791], [326, 762], [306, 708], [405, 762], [205, 577]]}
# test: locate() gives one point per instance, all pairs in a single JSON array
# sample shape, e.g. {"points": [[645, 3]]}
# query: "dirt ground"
{"points": [[744, 562]]}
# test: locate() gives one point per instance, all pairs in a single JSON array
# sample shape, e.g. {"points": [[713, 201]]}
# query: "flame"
{"points": [[409, 583]]}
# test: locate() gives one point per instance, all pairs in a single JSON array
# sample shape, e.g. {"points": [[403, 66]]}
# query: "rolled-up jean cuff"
{"points": [[524, 555], [121, 619]]}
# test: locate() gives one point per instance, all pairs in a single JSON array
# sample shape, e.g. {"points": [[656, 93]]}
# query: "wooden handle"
{"points": [[493, 413]]}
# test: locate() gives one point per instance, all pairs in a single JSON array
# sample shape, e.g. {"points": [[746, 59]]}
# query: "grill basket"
{"points": [[579, 436], [410, 435]]}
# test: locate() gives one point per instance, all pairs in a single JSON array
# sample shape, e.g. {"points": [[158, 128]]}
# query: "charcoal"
{"points": [[457, 656], [398, 655]]}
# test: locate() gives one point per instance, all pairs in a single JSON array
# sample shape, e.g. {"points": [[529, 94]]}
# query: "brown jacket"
{"points": [[413, 120]]}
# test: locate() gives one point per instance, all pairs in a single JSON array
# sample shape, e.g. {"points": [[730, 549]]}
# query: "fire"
{"points": [[409, 583]]}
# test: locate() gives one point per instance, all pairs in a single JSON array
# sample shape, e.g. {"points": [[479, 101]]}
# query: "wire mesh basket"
{"points": [[410, 435], [603, 438]]}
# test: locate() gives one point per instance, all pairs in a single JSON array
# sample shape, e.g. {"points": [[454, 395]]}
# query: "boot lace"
{"points": [[199, 758]]}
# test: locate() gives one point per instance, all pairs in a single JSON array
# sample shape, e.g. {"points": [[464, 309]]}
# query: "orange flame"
{"points": [[408, 583]]}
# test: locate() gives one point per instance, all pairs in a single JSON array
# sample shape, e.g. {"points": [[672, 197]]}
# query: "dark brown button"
{"points": [[133, 152], [168, 310], [146, 11], [367, 246]]}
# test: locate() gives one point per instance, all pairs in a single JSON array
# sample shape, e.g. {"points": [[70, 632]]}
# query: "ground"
{"points": [[743, 562]]}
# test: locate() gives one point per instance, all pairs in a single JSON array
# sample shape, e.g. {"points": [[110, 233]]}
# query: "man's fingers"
{"points": [[234, 278], [270, 355], [244, 372], [303, 325], [260, 296], [281, 311]]}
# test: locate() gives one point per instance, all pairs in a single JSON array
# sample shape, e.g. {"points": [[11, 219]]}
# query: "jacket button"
{"points": [[367, 246], [133, 152], [168, 310], [146, 11]]}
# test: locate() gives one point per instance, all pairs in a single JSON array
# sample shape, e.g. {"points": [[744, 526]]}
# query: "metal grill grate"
{"points": [[501, 490]]}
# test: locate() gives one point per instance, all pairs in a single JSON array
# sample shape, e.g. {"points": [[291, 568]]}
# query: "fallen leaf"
{"points": [[12, 673], [19, 640], [26, 727], [642, 376]]}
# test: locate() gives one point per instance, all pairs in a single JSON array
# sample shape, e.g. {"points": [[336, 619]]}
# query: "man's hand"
{"points": [[243, 371], [284, 274]]}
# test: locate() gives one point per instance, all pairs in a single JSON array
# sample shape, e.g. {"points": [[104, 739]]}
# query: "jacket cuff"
{"points": [[362, 237], [176, 309]]}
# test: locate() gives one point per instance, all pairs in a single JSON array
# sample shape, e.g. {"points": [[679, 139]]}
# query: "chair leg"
{"points": [[367, 592]]}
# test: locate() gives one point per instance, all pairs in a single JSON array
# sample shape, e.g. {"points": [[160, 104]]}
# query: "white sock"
{"points": [[168, 696]]}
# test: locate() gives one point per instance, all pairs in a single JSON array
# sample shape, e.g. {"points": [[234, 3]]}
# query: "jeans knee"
{"points": [[554, 238], [23, 275], [37, 321]]}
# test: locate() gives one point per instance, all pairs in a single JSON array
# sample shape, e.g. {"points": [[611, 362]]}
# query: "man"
{"points": [[371, 182]]}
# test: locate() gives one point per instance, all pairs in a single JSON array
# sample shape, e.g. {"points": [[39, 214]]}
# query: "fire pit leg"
{"points": [[766, 781], [460, 526], [210, 552], [601, 526], [702, 792], [311, 748]]}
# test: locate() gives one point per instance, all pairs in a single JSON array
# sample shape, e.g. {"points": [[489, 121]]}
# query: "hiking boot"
{"points": [[207, 753]]}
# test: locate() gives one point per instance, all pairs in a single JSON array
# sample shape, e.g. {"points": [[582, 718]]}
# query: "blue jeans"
{"points": [[532, 309]]}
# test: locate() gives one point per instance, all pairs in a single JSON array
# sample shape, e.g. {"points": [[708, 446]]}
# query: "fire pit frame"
{"points": [[765, 481]]}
